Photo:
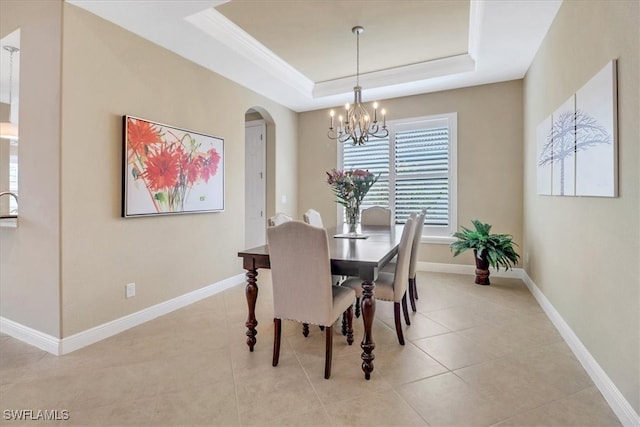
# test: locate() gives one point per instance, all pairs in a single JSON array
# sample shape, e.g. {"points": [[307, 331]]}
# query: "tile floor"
{"points": [[475, 356]]}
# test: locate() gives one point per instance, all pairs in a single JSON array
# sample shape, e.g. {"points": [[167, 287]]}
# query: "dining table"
{"points": [[362, 254]]}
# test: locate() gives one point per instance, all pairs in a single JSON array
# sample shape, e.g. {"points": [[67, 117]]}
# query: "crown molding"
{"points": [[229, 34]]}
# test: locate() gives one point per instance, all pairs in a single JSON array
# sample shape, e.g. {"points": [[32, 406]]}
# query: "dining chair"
{"points": [[313, 217], [393, 286], [302, 288], [278, 219], [376, 215], [413, 262]]}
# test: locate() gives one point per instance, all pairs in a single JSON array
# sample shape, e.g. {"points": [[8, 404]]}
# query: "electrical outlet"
{"points": [[130, 290]]}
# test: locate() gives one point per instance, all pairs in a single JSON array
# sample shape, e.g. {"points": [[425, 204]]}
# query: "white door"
{"points": [[255, 187]]}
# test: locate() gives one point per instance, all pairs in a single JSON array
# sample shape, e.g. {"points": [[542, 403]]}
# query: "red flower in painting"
{"points": [[162, 169], [210, 165], [140, 134], [190, 165]]}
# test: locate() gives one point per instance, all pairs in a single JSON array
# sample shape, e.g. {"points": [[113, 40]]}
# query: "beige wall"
{"points": [[489, 158], [30, 254], [583, 251], [108, 72]]}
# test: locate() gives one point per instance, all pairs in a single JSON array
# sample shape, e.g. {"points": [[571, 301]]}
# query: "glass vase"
{"points": [[352, 217]]}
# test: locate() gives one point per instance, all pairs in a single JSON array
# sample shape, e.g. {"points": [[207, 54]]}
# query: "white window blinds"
{"points": [[417, 167]]}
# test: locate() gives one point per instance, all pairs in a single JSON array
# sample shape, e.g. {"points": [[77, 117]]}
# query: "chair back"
{"points": [[301, 273], [417, 235], [313, 217], [376, 215], [278, 219], [401, 276]]}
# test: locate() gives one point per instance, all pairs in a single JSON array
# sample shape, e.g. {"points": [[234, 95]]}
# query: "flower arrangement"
{"points": [[350, 187], [169, 165]]}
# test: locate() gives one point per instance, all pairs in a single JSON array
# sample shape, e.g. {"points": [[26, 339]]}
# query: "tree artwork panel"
{"points": [[560, 150], [596, 150], [168, 170]]}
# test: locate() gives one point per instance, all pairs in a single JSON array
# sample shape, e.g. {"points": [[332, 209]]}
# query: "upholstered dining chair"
{"points": [[278, 219], [302, 288], [376, 215], [413, 263], [313, 217], [392, 286]]}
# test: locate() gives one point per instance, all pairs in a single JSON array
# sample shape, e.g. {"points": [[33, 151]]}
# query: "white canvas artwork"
{"points": [[596, 139], [544, 144], [562, 154]]}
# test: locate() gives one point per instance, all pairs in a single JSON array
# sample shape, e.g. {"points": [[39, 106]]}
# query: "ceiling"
{"points": [[302, 53]]}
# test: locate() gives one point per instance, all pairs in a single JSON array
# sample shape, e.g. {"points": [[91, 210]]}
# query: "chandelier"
{"points": [[9, 130], [357, 125]]}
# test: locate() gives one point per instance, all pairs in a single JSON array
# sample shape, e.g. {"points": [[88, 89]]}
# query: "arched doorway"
{"points": [[256, 161]]}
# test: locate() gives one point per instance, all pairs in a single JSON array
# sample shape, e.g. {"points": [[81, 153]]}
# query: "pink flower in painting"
{"points": [[210, 165]]}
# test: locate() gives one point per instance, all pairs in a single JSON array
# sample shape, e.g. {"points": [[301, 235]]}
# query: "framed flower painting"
{"points": [[168, 170]]}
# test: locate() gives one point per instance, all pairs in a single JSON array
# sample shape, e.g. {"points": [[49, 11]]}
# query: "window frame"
{"points": [[430, 234]]}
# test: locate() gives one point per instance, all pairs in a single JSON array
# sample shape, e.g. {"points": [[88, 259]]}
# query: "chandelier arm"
{"points": [[383, 135]]}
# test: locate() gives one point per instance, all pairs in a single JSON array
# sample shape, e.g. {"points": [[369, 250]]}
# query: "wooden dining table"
{"points": [[362, 256]]}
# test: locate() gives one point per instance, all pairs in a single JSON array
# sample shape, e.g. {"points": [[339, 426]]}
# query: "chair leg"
{"points": [[357, 307], [277, 329], [328, 352], [412, 294], [305, 329], [349, 315], [344, 323], [415, 287], [321, 328], [405, 310], [396, 313]]}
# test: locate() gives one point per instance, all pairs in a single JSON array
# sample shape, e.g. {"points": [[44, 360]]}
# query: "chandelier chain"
{"points": [[357, 58]]}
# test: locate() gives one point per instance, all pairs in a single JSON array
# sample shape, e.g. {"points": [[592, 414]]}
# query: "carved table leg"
{"points": [[368, 314], [251, 292]]}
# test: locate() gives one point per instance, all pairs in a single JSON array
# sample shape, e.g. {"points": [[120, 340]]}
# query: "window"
{"points": [[417, 163]]}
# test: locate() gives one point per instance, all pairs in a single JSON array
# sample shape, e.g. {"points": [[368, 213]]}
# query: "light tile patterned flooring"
{"points": [[475, 356]]}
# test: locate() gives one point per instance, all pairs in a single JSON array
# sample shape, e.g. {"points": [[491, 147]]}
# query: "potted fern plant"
{"points": [[495, 250]]}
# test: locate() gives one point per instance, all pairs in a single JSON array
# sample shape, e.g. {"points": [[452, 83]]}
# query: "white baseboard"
{"points": [[66, 345], [620, 406], [43, 341], [514, 273]]}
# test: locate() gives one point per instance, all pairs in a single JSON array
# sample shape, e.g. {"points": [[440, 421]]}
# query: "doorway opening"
{"points": [[255, 179]]}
